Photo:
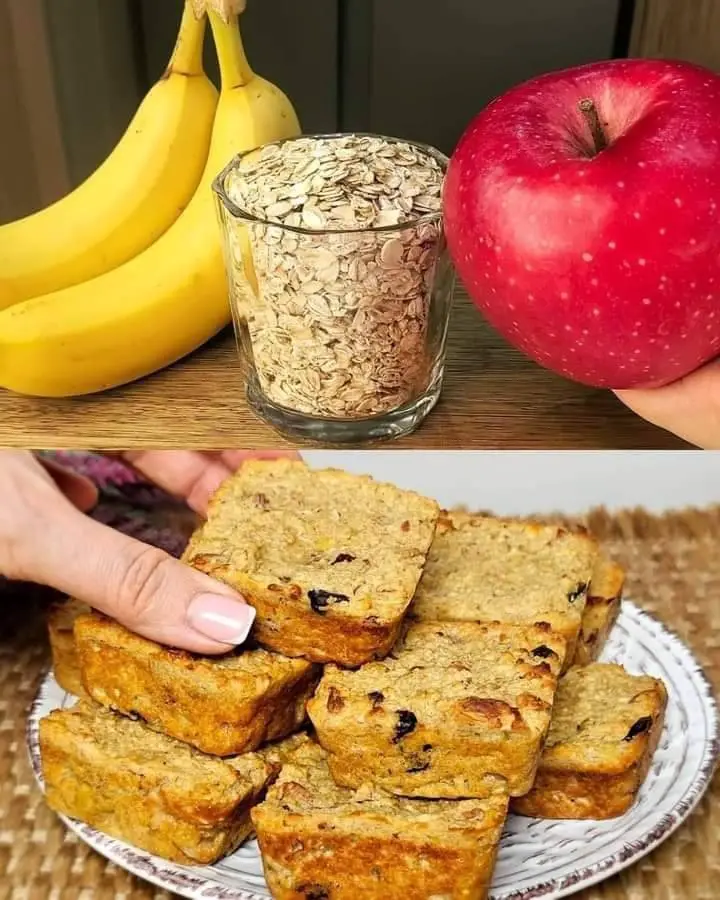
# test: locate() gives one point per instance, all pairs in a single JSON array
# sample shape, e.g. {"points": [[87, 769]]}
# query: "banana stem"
{"points": [[235, 69], [225, 8], [187, 58]]}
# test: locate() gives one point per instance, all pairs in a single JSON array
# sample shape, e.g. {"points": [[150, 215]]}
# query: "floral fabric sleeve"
{"points": [[130, 503]]}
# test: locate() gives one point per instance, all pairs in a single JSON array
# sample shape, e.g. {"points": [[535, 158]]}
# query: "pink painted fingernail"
{"points": [[221, 618]]}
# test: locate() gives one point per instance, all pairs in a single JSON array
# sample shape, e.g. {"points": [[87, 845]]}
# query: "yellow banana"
{"points": [[133, 197], [167, 301]]}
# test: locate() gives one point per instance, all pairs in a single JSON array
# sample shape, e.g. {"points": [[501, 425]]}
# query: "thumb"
{"points": [[144, 588], [689, 408]]}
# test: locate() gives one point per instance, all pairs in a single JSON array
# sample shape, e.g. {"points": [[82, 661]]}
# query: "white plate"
{"points": [[537, 858]]}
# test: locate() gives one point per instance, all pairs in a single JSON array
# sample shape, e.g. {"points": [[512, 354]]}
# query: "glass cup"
{"points": [[341, 330]]}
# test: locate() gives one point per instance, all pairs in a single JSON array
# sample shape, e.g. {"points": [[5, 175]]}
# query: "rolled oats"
{"points": [[338, 322]]}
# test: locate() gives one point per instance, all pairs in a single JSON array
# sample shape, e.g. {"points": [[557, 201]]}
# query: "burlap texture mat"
{"points": [[673, 563]]}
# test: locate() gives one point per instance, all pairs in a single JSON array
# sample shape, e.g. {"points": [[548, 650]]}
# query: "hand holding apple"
{"points": [[689, 407], [583, 215]]}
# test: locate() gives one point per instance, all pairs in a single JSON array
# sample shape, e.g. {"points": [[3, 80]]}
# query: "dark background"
{"points": [[72, 72]]}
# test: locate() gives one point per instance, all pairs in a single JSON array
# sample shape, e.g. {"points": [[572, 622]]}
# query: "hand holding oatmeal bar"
{"points": [[46, 537], [428, 649]]}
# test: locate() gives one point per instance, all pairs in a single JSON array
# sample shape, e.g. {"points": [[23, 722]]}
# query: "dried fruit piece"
{"points": [[640, 727], [335, 700], [406, 724], [321, 600], [314, 892], [343, 557]]}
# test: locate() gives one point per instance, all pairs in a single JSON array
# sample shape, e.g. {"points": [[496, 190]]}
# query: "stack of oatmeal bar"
{"points": [[411, 676]]}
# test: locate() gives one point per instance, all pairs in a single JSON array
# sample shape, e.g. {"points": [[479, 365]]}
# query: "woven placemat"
{"points": [[673, 563]]}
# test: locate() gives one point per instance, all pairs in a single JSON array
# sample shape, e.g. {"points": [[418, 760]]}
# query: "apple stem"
{"points": [[590, 114]]}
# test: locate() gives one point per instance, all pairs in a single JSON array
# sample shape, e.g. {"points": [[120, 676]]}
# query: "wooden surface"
{"points": [[678, 29], [493, 397]]}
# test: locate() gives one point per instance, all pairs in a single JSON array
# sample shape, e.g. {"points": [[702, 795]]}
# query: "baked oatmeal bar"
{"points": [[66, 665], [485, 569], [323, 842], [221, 705], [605, 728], [602, 608], [147, 789], [454, 702], [329, 560]]}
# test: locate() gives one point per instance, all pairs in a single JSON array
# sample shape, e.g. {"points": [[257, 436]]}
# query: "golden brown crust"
{"points": [[300, 632], [329, 560], [454, 702], [574, 795], [602, 609], [606, 728], [321, 866], [148, 789], [221, 705], [66, 665], [322, 842]]}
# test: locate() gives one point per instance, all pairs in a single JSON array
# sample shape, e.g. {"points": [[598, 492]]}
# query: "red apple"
{"points": [[589, 233]]}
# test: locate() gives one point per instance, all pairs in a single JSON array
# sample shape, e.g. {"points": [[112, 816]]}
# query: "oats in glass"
{"points": [[340, 282]]}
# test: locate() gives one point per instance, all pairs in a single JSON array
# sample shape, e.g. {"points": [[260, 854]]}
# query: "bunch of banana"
{"points": [[169, 299]]}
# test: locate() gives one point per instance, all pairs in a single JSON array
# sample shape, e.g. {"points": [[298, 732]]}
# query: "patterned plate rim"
{"points": [[181, 880]]}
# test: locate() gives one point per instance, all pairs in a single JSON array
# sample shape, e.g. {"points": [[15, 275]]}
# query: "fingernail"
{"points": [[221, 618]]}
